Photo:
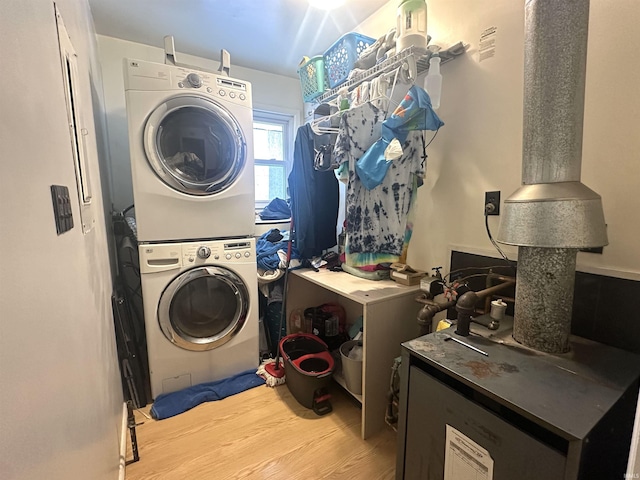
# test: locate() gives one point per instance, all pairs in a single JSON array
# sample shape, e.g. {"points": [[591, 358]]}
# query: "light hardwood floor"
{"points": [[262, 433]]}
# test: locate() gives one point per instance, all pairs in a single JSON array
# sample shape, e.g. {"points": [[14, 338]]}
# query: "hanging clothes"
{"points": [[413, 113], [378, 229], [314, 199]]}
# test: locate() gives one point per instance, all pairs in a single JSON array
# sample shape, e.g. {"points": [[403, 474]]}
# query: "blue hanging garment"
{"points": [[413, 113]]}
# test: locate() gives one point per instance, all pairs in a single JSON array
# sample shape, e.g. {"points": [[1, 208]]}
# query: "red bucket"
{"points": [[309, 367]]}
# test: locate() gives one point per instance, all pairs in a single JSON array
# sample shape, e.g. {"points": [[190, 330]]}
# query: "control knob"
{"points": [[194, 80], [204, 252]]}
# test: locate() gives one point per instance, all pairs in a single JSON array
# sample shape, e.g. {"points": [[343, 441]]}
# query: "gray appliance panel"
{"points": [[591, 375], [433, 405]]}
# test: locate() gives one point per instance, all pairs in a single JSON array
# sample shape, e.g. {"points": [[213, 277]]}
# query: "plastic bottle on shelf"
{"points": [[433, 81], [411, 28], [343, 99]]}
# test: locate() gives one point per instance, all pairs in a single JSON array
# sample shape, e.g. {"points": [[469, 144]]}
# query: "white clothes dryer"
{"points": [[201, 311], [191, 152]]}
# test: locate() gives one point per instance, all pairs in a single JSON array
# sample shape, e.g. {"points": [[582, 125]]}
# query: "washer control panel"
{"points": [[233, 251]]}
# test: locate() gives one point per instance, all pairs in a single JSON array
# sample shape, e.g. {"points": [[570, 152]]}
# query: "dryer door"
{"points": [[203, 308], [194, 145]]}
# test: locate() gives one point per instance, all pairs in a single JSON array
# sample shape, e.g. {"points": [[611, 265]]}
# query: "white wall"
{"points": [[270, 92], [61, 396], [480, 147]]}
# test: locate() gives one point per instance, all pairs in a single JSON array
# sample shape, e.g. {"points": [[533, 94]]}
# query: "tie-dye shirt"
{"points": [[378, 220]]}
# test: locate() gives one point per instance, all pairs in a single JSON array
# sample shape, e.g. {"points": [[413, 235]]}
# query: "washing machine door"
{"points": [[203, 308], [194, 145]]}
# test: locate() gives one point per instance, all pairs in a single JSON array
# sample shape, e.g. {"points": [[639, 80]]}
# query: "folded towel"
{"points": [[170, 404], [278, 209]]}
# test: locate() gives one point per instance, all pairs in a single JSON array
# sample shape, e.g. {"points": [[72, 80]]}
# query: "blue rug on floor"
{"points": [[171, 404]]}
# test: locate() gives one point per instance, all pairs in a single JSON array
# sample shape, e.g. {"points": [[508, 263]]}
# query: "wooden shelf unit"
{"points": [[389, 312]]}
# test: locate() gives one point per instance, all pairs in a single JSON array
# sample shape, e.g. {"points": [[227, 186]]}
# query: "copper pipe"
{"points": [[497, 276], [494, 276], [431, 307], [466, 305], [494, 289]]}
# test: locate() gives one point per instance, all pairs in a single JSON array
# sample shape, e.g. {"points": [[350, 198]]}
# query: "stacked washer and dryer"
{"points": [[191, 149]]}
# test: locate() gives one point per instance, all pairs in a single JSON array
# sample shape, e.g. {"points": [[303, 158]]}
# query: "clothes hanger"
{"points": [[406, 73], [327, 121], [323, 125]]}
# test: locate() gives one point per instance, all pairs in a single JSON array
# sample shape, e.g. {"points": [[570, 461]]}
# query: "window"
{"points": [[272, 151]]}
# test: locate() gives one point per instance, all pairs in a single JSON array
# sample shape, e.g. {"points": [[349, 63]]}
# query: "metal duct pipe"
{"points": [[552, 214]]}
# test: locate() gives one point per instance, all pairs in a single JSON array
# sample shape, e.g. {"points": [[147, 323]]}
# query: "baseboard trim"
{"points": [[123, 442]]}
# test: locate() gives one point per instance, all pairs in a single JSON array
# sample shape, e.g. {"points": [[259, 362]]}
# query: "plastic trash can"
{"points": [[351, 368]]}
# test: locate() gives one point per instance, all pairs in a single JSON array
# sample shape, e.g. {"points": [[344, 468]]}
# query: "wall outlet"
{"points": [[492, 203]]}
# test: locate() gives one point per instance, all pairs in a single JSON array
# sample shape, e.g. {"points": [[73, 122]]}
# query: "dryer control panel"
{"points": [[149, 76]]}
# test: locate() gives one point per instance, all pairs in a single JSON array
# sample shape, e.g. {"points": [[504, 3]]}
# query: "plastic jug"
{"points": [[411, 25]]}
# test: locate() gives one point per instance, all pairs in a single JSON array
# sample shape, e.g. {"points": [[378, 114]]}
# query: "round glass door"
{"points": [[203, 308], [194, 145]]}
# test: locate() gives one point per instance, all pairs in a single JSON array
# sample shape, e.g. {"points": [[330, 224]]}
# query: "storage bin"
{"points": [[351, 368], [327, 322], [308, 367], [313, 80], [340, 58]]}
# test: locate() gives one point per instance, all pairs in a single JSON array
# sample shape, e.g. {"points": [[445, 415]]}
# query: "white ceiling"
{"points": [[267, 35]]}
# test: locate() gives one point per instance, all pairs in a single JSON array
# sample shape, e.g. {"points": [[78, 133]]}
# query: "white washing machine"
{"points": [[191, 152], [201, 311]]}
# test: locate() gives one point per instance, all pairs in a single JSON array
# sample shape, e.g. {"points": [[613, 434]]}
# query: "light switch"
{"points": [[61, 208]]}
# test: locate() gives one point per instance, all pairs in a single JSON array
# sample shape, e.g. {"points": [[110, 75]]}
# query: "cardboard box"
{"points": [[407, 276]]}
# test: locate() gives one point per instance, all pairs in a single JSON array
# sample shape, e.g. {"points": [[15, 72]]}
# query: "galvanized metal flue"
{"points": [[552, 214]]}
